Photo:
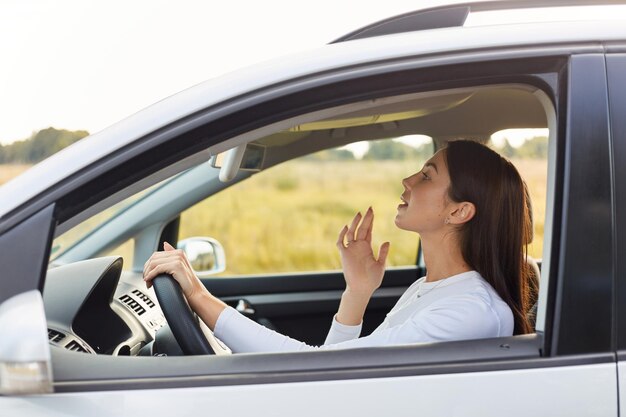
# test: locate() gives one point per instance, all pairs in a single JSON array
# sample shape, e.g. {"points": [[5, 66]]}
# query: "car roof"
{"points": [[71, 160], [455, 14]]}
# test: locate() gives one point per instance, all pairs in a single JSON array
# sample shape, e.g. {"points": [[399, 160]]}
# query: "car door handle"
{"points": [[244, 307]]}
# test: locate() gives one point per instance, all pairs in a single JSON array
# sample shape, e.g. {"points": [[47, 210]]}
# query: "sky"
{"points": [[84, 65], [76, 64]]}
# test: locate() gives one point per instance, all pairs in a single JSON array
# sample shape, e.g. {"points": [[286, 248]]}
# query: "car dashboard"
{"points": [[92, 307]]}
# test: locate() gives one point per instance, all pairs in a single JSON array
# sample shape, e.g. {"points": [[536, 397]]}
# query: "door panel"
{"points": [[559, 391], [302, 306]]}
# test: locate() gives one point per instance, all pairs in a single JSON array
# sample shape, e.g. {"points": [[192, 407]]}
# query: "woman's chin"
{"points": [[401, 223], [398, 221]]}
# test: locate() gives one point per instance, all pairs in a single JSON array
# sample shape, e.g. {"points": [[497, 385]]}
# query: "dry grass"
{"points": [[10, 171], [288, 218], [535, 173]]}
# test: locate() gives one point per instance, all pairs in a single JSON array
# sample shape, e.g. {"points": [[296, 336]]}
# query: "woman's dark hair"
{"points": [[494, 241]]}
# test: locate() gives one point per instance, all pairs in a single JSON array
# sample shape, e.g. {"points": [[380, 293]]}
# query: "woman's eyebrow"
{"points": [[430, 164]]}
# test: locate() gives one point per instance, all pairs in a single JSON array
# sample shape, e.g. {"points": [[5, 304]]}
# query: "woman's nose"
{"points": [[409, 180]]}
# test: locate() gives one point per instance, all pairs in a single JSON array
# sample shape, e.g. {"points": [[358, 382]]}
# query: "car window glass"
{"points": [[126, 250], [74, 235], [287, 218]]}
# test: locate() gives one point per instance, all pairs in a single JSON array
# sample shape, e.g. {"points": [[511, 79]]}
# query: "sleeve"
{"points": [[241, 335], [340, 332], [453, 318]]}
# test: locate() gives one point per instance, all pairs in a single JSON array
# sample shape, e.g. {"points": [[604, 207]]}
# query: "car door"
{"points": [[566, 367]]}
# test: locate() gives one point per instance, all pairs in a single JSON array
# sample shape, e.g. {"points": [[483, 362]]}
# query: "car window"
{"points": [[287, 218], [79, 232]]}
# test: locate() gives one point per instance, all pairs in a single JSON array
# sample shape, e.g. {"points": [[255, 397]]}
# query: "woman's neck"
{"points": [[443, 258]]}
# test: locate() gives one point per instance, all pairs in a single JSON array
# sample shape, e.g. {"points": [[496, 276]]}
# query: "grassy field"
{"points": [[8, 172], [288, 218], [535, 173]]}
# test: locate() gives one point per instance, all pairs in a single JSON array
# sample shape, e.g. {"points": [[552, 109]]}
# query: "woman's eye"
{"points": [[424, 176]]}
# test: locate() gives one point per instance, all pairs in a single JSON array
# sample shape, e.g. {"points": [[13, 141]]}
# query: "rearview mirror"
{"points": [[248, 157], [205, 254]]}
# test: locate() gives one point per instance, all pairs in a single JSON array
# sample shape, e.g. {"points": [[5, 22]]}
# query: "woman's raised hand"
{"points": [[174, 262], [362, 271]]}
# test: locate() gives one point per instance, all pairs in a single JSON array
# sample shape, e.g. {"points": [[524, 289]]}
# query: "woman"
{"points": [[468, 205]]}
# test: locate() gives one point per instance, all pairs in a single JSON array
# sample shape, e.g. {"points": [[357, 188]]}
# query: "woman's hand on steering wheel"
{"points": [[173, 262]]}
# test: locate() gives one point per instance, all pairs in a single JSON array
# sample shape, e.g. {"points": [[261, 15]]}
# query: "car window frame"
{"points": [[616, 70], [520, 73]]}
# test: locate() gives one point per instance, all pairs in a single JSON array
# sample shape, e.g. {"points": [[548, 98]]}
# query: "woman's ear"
{"points": [[463, 213]]}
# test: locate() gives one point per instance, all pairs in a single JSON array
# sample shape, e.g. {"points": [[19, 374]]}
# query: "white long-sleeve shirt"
{"points": [[462, 306]]}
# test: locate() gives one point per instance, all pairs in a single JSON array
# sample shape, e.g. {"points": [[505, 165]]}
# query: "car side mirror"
{"points": [[25, 366], [205, 254]]}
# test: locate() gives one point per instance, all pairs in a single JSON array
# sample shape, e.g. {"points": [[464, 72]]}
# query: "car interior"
{"points": [[96, 301]]}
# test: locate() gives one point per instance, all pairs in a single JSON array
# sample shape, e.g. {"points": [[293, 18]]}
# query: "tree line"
{"points": [[534, 148], [39, 146], [45, 142]]}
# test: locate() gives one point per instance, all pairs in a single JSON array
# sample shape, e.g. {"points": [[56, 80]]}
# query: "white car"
{"points": [[81, 335]]}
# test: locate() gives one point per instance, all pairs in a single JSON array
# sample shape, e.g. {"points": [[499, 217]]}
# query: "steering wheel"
{"points": [[183, 322]]}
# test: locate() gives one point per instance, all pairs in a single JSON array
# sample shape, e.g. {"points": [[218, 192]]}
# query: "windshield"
{"points": [[80, 231]]}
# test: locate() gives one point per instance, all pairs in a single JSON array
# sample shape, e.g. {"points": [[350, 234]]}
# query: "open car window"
{"points": [[286, 219]]}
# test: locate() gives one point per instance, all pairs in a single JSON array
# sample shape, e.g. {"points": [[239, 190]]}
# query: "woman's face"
{"points": [[425, 201]]}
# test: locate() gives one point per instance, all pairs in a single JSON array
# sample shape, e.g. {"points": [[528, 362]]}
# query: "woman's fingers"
{"points": [[174, 258], [170, 248], [168, 252], [383, 252], [160, 261], [159, 257], [366, 225], [162, 268], [360, 228], [368, 238], [173, 262], [352, 229], [342, 235]]}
